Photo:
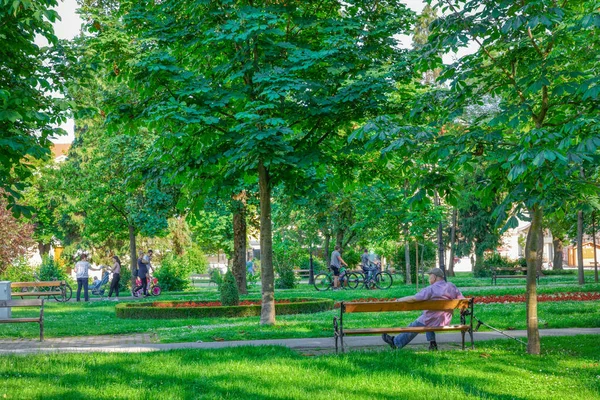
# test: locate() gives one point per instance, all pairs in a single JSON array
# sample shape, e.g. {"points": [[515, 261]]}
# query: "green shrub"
{"points": [[196, 260], [216, 277], [51, 271], [559, 272], [229, 291], [173, 273], [522, 262], [167, 309], [494, 260], [286, 256], [19, 271]]}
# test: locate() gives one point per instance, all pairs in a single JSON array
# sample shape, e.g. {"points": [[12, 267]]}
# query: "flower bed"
{"points": [[205, 309], [516, 298]]}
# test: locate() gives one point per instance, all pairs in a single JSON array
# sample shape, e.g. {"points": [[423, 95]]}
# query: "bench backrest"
{"points": [[517, 269], [21, 303], [433, 305], [36, 284]]}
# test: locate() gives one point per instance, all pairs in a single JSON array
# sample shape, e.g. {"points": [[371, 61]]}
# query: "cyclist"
{"points": [[365, 263], [335, 265]]}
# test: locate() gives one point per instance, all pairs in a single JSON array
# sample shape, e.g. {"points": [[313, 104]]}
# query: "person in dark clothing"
{"points": [[114, 284], [144, 266]]}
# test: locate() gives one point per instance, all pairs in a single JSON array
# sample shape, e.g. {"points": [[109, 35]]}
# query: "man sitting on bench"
{"points": [[438, 289]]}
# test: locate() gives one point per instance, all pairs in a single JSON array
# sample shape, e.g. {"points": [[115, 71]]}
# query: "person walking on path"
{"points": [[114, 284], [144, 266], [336, 264], [438, 289], [82, 274]]}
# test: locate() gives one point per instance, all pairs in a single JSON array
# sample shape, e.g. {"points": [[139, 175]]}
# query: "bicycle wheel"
{"points": [[383, 280], [68, 294], [353, 280], [322, 282], [155, 290]]}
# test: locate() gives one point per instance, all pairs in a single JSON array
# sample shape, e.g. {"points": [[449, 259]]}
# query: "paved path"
{"points": [[146, 342]]}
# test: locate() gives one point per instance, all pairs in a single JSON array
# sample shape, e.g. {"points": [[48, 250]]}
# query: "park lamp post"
{"points": [[311, 269]]}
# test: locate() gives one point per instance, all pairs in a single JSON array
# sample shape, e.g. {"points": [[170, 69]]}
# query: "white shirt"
{"points": [[81, 269]]}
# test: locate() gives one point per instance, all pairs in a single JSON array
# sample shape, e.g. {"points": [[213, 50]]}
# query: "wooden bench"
{"points": [[500, 273], [302, 273], [25, 303], [44, 288], [464, 305], [200, 278]]}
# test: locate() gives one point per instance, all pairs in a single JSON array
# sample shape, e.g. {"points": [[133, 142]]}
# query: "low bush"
{"points": [[51, 271], [230, 295], [494, 260], [216, 277], [19, 271], [198, 309], [173, 273], [559, 272]]}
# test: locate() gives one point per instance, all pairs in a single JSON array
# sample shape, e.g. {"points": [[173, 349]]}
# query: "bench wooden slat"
{"points": [[8, 321], [37, 294], [25, 303], [21, 303], [433, 305], [416, 329], [37, 284]]}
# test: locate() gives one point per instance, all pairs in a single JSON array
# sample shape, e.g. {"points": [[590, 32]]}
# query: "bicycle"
{"points": [[324, 280], [152, 287], [380, 280], [66, 290]]}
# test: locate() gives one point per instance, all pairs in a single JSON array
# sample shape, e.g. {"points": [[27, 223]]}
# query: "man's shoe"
{"points": [[389, 340], [433, 346]]}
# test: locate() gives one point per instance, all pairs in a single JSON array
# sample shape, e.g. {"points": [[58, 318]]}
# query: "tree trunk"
{"points": [[408, 279], [534, 249], [580, 247], [132, 256], [339, 238], [267, 313], [594, 244], [478, 267], [326, 249], [44, 249], [239, 246], [452, 240], [440, 240], [557, 261]]}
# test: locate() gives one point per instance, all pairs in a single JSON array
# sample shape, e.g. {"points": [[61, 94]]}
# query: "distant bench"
{"points": [[502, 273], [25, 303], [200, 278], [302, 273], [58, 289], [464, 305]]}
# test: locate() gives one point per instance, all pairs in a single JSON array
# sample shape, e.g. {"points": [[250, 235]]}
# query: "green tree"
{"points": [[538, 59], [29, 111], [254, 89]]}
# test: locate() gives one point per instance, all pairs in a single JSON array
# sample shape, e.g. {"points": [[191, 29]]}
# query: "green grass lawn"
{"points": [[98, 318], [567, 369]]}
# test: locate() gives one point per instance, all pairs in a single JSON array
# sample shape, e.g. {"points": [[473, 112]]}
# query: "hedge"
{"points": [[154, 311]]}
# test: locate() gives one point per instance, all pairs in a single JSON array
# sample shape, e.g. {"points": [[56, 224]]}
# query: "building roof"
{"points": [[60, 149]]}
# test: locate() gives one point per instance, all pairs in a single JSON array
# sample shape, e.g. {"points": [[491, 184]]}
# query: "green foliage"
{"points": [[50, 270], [30, 110], [230, 295], [198, 309], [173, 274], [195, 260], [216, 277], [19, 271], [559, 272], [494, 260], [287, 255], [352, 258]]}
